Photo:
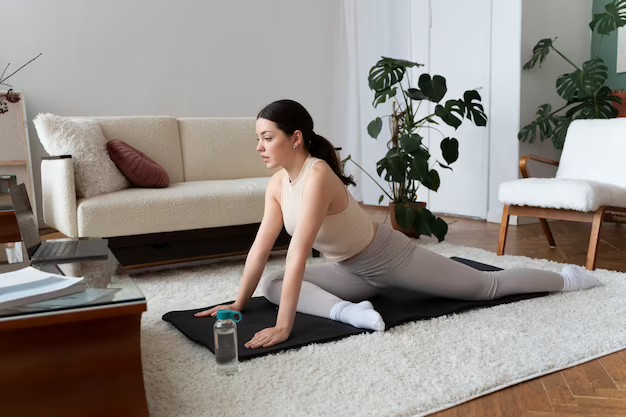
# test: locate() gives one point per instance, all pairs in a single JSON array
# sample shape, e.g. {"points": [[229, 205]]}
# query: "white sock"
{"points": [[361, 315], [576, 278]]}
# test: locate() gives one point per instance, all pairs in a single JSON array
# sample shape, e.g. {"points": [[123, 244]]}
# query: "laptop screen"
{"points": [[26, 220]]}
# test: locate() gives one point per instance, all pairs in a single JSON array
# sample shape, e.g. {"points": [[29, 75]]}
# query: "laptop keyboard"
{"points": [[59, 249]]}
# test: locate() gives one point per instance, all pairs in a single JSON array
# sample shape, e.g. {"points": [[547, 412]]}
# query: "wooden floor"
{"points": [[597, 388]]}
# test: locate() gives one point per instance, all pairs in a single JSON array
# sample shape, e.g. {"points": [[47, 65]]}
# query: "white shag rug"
{"points": [[415, 369]]}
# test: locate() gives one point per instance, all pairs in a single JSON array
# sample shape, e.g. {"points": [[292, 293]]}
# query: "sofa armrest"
{"points": [[58, 193]]}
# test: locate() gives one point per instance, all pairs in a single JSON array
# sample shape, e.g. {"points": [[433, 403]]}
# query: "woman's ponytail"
{"points": [[319, 147]]}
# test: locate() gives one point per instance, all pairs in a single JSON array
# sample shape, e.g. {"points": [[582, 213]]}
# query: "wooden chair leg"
{"points": [[504, 227], [594, 239], [548, 232]]}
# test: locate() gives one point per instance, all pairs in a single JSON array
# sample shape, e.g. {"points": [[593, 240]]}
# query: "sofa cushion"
{"points": [[561, 193], [156, 136], [220, 149], [181, 206], [82, 138], [140, 170]]}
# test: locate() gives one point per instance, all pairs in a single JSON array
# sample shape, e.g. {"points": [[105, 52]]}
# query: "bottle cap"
{"points": [[229, 315]]}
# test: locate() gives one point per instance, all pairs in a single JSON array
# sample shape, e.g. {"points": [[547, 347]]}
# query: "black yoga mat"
{"points": [[395, 306]]}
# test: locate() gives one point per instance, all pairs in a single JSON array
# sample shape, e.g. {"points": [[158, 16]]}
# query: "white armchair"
{"points": [[590, 183]]}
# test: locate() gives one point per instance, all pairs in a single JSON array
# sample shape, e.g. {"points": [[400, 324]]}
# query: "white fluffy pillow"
{"points": [[94, 171]]}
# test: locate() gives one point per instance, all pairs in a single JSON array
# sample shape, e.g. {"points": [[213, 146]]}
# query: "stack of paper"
{"points": [[30, 285], [83, 298]]}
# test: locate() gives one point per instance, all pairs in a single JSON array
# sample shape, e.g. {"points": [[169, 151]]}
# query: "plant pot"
{"points": [[392, 214], [620, 107]]}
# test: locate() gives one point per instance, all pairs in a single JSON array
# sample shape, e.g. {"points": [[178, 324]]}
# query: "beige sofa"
{"points": [[217, 181]]}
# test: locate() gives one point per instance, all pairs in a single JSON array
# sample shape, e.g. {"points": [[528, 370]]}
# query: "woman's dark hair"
{"points": [[290, 116]]}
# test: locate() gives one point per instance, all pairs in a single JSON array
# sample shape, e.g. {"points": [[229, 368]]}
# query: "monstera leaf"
{"points": [[410, 143], [475, 111], [553, 127], [387, 72], [439, 228], [411, 216], [446, 113], [415, 94], [432, 180], [395, 165], [374, 127], [583, 83], [433, 88], [425, 223], [561, 124], [405, 215], [540, 51], [419, 169], [614, 17], [450, 150], [597, 106], [542, 125], [382, 96]]}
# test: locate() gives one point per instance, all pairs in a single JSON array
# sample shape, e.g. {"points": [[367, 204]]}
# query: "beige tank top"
{"points": [[341, 235]]}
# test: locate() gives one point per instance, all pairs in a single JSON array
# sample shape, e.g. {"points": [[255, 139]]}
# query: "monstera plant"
{"points": [[583, 89], [407, 162]]}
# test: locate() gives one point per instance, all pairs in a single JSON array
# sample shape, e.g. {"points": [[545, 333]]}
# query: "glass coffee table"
{"points": [[78, 355]]}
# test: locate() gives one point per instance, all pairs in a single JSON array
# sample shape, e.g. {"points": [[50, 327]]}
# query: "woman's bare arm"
{"points": [[315, 202], [270, 228], [259, 252]]}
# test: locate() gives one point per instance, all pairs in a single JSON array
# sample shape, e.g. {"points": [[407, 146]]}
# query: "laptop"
{"points": [[51, 252]]}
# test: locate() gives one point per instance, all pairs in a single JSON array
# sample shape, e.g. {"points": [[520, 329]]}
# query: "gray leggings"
{"points": [[394, 260]]}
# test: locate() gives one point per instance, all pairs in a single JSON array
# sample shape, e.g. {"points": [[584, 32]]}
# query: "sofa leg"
{"points": [[594, 239], [504, 227], [548, 232]]}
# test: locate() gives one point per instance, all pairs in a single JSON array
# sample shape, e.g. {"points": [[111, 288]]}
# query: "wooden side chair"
{"points": [[590, 183]]}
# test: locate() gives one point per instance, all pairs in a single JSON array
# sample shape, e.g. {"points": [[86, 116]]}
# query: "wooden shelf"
{"points": [[15, 154], [13, 163], [9, 231]]}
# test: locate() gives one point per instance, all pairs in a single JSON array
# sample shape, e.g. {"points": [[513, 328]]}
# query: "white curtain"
{"points": [[369, 29], [346, 117]]}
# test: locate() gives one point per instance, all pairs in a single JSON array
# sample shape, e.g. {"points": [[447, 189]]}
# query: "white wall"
{"points": [[346, 120], [159, 57], [503, 123], [545, 19], [468, 181]]}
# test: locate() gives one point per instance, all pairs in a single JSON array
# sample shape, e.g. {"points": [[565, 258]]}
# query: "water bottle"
{"points": [[225, 335]]}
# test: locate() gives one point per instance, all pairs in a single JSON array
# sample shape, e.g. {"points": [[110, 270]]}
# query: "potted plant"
{"points": [[584, 89], [407, 162]]}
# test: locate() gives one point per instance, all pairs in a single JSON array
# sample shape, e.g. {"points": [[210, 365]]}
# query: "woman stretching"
{"points": [[309, 197]]}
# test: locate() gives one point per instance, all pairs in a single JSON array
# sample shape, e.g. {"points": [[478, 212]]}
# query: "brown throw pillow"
{"points": [[140, 170]]}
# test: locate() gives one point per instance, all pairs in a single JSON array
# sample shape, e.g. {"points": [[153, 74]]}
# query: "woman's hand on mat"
{"points": [[268, 337], [213, 312]]}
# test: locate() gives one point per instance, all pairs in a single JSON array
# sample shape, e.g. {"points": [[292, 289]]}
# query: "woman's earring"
{"points": [[295, 148]]}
